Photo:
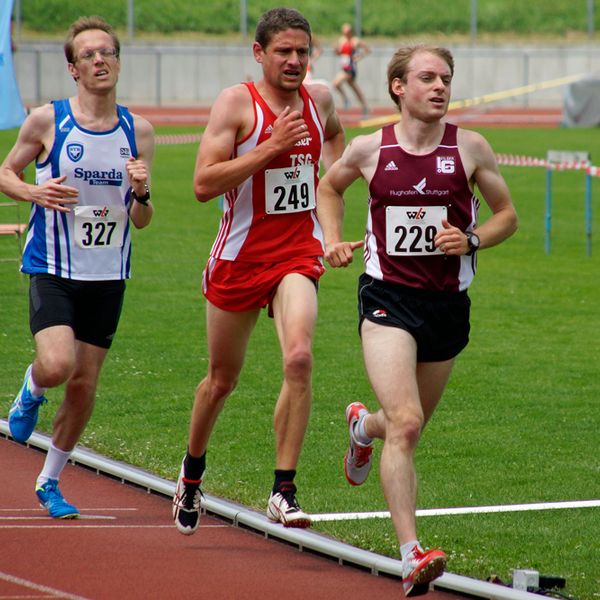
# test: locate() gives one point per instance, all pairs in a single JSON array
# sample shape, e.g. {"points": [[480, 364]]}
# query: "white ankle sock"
{"points": [[53, 466], [360, 432], [406, 549], [34, 388]]}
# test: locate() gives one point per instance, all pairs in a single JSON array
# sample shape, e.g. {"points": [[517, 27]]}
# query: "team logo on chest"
{"points": [[445, 164], [75, 152]]}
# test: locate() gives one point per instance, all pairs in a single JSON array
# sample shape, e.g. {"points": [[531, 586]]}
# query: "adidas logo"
{"points": [[269, 129], [391, 166]]}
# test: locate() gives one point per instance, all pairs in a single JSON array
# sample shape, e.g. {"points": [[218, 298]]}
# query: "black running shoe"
{"points": [[186, 504]]}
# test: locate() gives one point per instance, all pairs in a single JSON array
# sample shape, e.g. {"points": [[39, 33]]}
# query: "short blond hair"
{"points": [[84, 24], [398, 65]]}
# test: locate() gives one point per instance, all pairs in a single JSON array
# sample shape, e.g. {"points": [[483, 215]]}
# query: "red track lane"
{"points": [[481, 116], [126, 547]]}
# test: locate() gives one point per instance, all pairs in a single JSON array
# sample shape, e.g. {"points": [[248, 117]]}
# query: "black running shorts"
{"points": [[439, 321], [90, 308]]}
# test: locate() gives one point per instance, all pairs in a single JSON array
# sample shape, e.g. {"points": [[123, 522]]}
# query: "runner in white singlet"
{"points": [[93, 162]]}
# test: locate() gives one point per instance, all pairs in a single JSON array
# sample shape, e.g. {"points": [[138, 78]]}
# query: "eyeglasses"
{"points": [[89, 55]]}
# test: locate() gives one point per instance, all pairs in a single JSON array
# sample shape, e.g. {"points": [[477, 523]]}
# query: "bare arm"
{"points": [[481, 168], [230, 119], [138, 171], [362, 50], [35, 139], [357, 161], [334, 132]]}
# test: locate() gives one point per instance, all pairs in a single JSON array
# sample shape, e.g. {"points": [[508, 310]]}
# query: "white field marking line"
{"points": [[71, 526], [82, 509], [46, 517], [54, 593], [465, 510]]}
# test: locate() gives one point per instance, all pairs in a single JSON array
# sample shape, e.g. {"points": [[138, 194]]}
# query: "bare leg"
{"points": [[80, 395], [408, 394], [295, 313], [338, 84], [228, 334], [359, 94]]}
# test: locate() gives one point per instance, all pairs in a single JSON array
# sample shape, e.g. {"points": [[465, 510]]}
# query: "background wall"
{"points": [[194, 74]]}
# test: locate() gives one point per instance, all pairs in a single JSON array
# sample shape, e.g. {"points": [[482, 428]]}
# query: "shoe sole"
{"points": [[348, 410], [278, 517], [183, 529], [71, 515], [186, 530], [431, 571]]}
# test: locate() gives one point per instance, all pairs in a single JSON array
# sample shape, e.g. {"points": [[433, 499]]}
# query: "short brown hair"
{"points": [[280, 19], [398, 66], [84, 24]]}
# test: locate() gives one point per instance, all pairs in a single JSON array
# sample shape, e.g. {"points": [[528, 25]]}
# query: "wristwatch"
{"points": [[143, 199], [473, 241]]}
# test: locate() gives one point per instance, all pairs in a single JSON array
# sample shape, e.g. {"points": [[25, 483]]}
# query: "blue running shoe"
{"points": [[23, 414], [50, 497]]}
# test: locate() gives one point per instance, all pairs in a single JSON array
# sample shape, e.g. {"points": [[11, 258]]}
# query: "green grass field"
{"points": [[552, 19], [518, 423]]}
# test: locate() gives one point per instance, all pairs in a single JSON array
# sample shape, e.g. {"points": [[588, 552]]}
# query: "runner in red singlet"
{"points": [[350, 49], [420, 250], [261, 150]]}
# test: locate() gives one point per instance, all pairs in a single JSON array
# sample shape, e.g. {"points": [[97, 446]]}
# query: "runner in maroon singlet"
{"points": [[420, 248]]}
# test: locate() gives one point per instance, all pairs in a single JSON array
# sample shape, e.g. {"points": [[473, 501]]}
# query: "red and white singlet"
{"points": [[270, 217]]}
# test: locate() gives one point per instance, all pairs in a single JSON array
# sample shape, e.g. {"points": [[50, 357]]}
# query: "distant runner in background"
{"points": [[351, 49]]}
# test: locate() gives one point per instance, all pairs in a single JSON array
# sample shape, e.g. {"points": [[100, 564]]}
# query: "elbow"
{"points": [[514, 223], [203, 193]]}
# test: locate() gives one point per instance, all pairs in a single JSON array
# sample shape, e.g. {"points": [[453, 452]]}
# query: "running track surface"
{"points": [[482, 116], [125, 546]]}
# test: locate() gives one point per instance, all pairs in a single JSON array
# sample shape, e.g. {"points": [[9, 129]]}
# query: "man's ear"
{"points": [[398, 87], [73, 71], [258, 52]]}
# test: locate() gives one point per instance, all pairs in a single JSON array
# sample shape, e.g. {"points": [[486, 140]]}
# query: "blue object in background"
{"points": [[12, 111]]}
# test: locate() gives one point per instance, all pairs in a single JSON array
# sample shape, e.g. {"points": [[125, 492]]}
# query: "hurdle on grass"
{"points": [[564, 160]]}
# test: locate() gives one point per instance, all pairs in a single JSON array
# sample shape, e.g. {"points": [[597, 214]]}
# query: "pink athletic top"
{"points": [[422, 186], [265, 219]]}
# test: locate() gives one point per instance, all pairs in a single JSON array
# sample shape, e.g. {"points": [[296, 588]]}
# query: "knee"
{"points": [[297, 365], [53, 370], [216, 388], [404, 430]]}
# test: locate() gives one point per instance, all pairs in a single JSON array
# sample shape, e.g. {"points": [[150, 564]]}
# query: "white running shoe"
{"points": [[284, 508], [420, 568], [186, 504], [358, 459]]}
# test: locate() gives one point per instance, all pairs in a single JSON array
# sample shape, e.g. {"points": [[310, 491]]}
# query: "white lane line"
{"points": [[464, 510], [46, 518], [68, 524], [12, 510], [54, 593]]}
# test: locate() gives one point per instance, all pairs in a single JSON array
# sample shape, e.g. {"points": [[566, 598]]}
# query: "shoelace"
{"points": [[191, 494], [53, 492], [361, 455], [288, 492]]}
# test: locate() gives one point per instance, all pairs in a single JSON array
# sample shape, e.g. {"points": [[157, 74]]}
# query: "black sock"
{"points": [[283, 476], [193, 467]]}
